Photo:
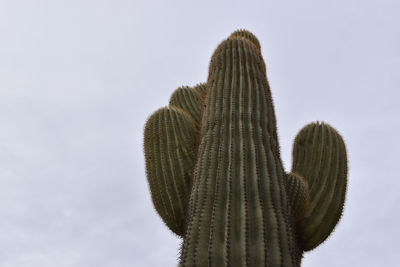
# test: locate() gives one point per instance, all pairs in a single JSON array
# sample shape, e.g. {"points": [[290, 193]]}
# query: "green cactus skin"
{"points": [[216, 176], [239, 212], [188, 99], [201, 90], [248, 35], [298, 194], [169, 148], [319, 155], [252, 38]]}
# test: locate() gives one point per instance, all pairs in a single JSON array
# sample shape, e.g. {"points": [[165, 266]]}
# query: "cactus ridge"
{"points": [[235, 196], [169, 147], [319, 155]]}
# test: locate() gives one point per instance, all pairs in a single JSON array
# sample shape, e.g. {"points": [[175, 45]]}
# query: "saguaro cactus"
{"points": [[216, 176]]}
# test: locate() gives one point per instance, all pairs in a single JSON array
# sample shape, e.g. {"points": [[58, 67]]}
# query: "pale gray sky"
{"points": [[79, 78]]}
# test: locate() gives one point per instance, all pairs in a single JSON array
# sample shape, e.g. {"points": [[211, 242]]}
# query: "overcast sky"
{"points": [[79, 78]]}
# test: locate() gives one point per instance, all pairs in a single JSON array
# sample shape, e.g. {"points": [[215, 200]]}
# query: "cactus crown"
{"points": [[248, 35]]}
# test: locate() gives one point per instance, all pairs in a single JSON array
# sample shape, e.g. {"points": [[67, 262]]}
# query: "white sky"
{"points": [[79, 78]]}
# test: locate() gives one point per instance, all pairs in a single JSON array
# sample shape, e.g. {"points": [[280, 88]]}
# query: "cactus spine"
{"points": [[243, 209]]}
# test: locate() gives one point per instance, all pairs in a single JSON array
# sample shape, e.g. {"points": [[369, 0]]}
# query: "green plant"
{"points": [[216, 176]]}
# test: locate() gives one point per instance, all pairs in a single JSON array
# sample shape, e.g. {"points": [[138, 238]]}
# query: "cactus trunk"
{"points": [[239, 213]]}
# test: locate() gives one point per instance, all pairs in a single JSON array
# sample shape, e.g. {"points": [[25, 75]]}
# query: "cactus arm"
{"points": [[189, 100], [319, 155], [169, 148]]}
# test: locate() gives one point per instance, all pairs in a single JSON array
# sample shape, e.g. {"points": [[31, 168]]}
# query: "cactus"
{"points": [[219, 142]]}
